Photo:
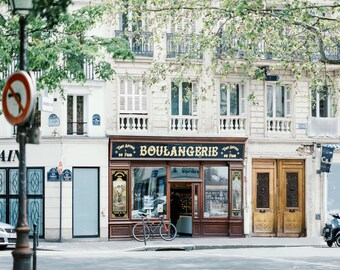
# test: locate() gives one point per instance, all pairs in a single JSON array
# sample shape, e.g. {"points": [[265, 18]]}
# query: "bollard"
{"points": [[34, 246]]}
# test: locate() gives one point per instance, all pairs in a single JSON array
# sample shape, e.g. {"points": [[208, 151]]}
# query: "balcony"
{"points": [[182, 45], [232, 124], [76, 128], [279, 125], [141, 44], [323, 127], [135, 122], [186, 123]]}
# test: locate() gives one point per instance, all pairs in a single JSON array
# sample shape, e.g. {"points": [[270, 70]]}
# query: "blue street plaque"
{"points": [[53, 120], [96, 120], [67, 175], [53, 175]]}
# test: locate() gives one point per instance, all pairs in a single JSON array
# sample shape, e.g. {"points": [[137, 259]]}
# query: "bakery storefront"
{"points": [[196, 182]]}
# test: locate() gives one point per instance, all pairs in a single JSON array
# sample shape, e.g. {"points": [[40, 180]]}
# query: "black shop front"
{"points": [[205, 175]]}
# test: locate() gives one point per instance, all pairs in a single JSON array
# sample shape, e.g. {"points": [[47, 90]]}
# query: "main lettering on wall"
{"points": [[176, 151], [9, 155]]}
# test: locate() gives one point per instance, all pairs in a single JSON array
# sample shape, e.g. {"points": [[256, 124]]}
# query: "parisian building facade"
{"points": [[240, 169]]}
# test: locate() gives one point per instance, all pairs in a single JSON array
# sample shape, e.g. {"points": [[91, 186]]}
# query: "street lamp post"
{"points": [[22, 253]]}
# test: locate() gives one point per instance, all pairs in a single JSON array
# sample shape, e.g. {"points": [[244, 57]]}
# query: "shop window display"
{"points": [[215, 192], [148, 191]]}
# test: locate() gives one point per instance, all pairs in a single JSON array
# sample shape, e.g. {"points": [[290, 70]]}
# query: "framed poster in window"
{"points": [[119, 198], [236, 194]]}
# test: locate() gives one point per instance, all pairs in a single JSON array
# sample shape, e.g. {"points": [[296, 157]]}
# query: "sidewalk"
{"points": [[180, 243]]}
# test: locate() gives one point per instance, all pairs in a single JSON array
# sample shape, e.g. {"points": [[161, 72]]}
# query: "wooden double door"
{"points": [[278, 198]]}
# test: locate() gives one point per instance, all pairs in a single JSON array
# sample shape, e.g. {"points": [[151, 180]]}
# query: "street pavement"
{"points": [[181, 243]]}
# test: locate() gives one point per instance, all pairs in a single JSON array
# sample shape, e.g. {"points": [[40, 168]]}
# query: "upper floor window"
{"points": [[131, 21], [232, 99], [184, 98], [76, 115], [278, 101], [132, 97], [321, 102]]}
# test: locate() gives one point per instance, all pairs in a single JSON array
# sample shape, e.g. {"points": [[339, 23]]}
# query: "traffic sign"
{"points": [[18, 98]]}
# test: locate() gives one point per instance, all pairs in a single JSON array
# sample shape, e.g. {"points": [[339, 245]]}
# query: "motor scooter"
{"points": [[331, 232]]}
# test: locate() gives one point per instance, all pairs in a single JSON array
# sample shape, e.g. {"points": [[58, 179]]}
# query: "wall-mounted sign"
{"points": [[53, 120], [66, 175], [326, 159], [45, 104], [96, 120], [223, 151], [53, 175]]}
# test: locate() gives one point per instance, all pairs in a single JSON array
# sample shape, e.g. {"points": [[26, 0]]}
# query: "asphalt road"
{"points": [[239, 258]]}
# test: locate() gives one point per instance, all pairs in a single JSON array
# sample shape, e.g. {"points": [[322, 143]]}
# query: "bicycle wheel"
{"points": [[168, 231], [138, 232]]}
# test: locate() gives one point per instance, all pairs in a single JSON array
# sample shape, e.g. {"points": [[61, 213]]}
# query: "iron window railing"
{"points": [[76, 128], [141, 44]]}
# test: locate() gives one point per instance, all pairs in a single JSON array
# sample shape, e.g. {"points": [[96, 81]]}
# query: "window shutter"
{"points": [[137, 96], [194, 98], [122, 95], [129, 105], [242, 99], [287, 101]]}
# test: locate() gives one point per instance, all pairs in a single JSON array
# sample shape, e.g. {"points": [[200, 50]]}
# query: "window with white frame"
{"points": [[184, 98], [321, 102], [232, 99], [132, 97], [76, 123], [278, 101]]}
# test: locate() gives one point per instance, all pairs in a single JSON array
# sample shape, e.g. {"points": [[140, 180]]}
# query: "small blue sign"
{"points": [[67, 175], [326, 159], [53, 120], [96, 120], [53, 175]]}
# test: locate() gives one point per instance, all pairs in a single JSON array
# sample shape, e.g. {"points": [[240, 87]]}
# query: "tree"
{"points": [[296, 35], [60, 43]]}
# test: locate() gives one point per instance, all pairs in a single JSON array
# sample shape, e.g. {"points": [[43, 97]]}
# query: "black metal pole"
{"points": [[35, 246], [60, 207], [22, 253]]}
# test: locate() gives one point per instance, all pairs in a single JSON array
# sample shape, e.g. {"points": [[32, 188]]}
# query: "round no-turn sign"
{"points": [[18, 98]]}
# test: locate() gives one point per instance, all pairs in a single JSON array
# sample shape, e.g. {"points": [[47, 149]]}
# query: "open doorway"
{"points": [[181, 207]]}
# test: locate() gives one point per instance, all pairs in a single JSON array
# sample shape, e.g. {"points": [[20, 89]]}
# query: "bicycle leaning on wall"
{"points": [[141, 231]]}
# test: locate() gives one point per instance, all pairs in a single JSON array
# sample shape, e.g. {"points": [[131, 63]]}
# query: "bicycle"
{"points": [[142, 231]]}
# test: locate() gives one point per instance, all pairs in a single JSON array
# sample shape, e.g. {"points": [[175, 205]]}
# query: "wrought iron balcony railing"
{"points": [[141, 44], [76, 128], [179, 45]]}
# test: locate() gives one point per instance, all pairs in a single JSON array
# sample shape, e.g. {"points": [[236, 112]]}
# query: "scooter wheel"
{"points": [[329, 243], [337, 241]]}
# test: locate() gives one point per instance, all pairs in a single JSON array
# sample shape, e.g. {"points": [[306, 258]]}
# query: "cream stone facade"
{"points": [[276, 150]]}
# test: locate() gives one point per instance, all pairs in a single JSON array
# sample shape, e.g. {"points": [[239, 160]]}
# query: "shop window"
{"points": [[278, 101], [215, 191], [185, 173], [149, 191], [333, 188], [232, 99]]}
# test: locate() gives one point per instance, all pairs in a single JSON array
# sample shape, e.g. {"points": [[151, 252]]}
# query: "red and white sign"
{"points": [[18, 98]]}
